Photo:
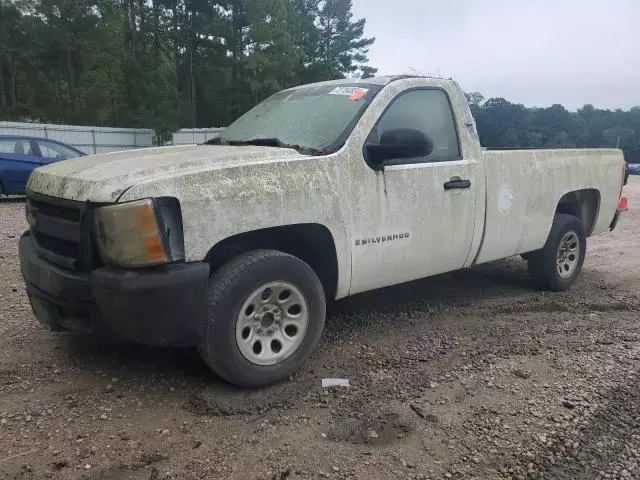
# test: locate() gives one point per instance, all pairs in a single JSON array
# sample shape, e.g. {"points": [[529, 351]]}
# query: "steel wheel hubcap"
{"points": [[272, 323], [568, 255]]}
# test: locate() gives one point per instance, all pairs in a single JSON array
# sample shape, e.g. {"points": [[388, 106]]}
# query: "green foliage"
{"points": [[166, 64], [502, 124], [341, 47]]}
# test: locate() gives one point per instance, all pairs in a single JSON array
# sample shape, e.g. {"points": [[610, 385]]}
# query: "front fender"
{"points": [[220, 204]]}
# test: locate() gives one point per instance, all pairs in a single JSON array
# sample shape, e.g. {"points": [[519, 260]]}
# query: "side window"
{"points": [[55, 151], [16, 146], [429, 111]]}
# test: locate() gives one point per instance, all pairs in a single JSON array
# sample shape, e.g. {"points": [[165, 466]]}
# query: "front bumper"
{"points": [[155, 306]]}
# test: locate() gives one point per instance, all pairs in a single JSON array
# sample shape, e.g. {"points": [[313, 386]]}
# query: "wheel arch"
{"points": [[584, 204], [311, 242]]}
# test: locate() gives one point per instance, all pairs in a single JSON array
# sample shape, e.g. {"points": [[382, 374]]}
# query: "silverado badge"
{"points": [[383, 238]]}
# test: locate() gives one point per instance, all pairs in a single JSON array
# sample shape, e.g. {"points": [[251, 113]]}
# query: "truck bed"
{"points": [[524, 188]]}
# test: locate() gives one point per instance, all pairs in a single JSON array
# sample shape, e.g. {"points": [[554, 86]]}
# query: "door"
{"points": [[17, 160], [418, 219]]}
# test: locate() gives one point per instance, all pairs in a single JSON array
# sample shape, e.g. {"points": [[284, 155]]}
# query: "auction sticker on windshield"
{"points": [[356, 92]]}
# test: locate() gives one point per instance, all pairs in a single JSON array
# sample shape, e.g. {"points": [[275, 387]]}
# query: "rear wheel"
{"points": [[266, 313], [557, 266]]}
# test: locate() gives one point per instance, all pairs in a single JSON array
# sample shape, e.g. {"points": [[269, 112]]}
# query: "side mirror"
{"points": [[397, 144]]}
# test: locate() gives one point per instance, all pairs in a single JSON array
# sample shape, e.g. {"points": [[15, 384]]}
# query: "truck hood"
{"points": [[105, 177]]}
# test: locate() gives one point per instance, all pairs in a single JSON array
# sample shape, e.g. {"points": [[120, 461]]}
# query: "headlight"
{"points": [[141, 233]]}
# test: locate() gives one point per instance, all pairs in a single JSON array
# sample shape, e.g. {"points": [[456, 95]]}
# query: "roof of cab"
{"points": [[384, 80]]}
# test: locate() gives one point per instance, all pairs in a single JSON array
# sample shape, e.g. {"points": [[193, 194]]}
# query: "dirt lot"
{"points": [[468, 375]]}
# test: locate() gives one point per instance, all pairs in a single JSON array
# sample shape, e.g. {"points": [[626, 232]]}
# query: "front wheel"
{"points": [[557, 266], [265, 315]]}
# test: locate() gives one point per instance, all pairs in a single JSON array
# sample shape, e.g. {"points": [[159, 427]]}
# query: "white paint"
{"points": [[225, 191], [538, 179]]}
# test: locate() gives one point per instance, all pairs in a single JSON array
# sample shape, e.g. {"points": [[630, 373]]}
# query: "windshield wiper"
{"points": [[267, 142]]}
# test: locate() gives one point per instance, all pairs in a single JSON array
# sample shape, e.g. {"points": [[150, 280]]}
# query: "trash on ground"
{"points": [[335, 382]]}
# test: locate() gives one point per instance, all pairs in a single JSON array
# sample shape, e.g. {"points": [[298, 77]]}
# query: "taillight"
{"points": [[623, 204]]}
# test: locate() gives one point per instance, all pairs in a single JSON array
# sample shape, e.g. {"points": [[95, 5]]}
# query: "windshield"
{"points": [[315, 118]]}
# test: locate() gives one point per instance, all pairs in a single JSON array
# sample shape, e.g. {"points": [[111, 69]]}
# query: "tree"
{"points": [[368, 72], [341, 48], [270, 54], [167, 63], [502, 124], [475, 99], [495, 118]]}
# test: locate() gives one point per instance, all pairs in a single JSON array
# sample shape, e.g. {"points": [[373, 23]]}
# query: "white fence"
{"points": [[88, 139], [104, 139], [188, 136]]}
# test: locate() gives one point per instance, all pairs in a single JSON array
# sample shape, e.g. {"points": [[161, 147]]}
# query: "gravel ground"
{"points": [[467, 375]]}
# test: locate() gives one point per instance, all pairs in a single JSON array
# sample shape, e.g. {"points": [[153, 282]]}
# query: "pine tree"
{"points": [[167, 63], [342, 50]]}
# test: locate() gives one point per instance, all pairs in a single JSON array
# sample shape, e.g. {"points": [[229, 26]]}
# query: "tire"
{"points": [[546, 265], [242, 329]]}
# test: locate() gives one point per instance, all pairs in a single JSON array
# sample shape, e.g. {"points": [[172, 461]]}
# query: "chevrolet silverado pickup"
{"points": [[320, 192]]}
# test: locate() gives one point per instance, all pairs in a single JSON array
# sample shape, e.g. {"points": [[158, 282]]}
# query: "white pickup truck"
{"points": [[319, 192]]}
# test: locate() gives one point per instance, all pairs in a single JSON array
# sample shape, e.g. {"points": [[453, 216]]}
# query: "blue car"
{"points": [[19, 156]]}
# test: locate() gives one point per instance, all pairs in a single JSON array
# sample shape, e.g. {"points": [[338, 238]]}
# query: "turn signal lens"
{"points": [[128, 235]]}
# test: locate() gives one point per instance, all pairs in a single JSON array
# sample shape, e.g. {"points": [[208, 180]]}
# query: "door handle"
{"points": [[457, 182]]}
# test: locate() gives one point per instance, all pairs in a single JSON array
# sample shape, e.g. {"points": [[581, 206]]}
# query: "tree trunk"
{"points": [[236, 46], [13, 92], [156, 26], [191, 82], [59, 96], [130, 25], [142, 17], [176, 57], [3, 98], [71, 80], [176, 36]]}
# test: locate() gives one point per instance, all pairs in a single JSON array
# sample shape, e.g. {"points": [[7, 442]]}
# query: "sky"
{"points": [[535, 52]]}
